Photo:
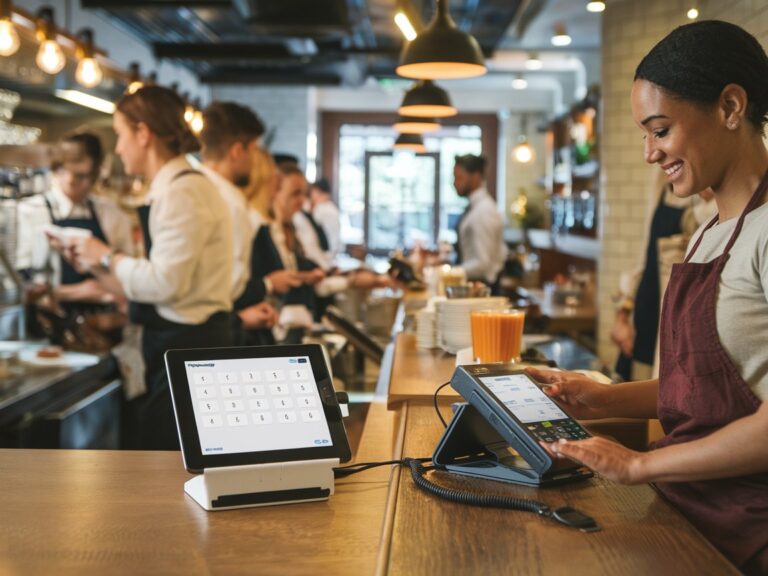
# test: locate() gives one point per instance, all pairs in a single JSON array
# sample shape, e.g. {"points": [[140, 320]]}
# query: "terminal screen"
{"points": [[256, 405], [523, 398]]}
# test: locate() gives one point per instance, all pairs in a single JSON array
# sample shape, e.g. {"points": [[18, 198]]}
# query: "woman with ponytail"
{"points": [[700, 97], [180, 291]]}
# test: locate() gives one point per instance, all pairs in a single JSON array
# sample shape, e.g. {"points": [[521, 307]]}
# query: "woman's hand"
{"points": [[258, 317], [283, 280], [607, 458], [86, 291], [581, 396], [88, 253]]}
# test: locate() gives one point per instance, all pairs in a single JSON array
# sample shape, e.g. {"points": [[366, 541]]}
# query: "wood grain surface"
{"points": [[641, 534], [106, 513]]}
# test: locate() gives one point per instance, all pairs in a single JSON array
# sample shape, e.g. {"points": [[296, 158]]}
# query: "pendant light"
{"points": [[88, 71], [412, 125], [523, 152], [442, 51], [50, 57], [519, 82], [596, 7], [425, 99], [561, 37], [412, 142], [534, 62], [134, 78], [9, 38]]}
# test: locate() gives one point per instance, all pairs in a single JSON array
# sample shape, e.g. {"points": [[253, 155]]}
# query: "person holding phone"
{"points": [[72, 205], [181, 292], [700, 97]]}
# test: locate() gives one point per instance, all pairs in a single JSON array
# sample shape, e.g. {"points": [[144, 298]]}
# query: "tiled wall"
{"points": [[285, 109], [630, 29]]}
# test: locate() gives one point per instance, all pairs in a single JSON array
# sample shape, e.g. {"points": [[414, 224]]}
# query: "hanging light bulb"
{"points": [[412, 142], [9, 38], [402, 21], [693, 13], [189, 110], [534, 62], [134, 78], [50, 57], [197, 123], [595, 6], [523, 152], [519, 82], [411, 125], [560, 37], [426, 99], [88, 71], [442, 51]]}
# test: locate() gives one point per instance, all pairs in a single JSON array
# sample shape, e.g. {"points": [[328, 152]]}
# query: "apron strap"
{"points": [[753, 203]]}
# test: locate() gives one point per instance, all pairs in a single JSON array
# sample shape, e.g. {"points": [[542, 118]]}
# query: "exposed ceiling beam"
{"points": [[247, 51], [221, 51], [245, 76], [132, 4]]}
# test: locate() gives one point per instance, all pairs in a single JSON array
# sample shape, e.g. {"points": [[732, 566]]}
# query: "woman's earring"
{"points": [[732, 125]]}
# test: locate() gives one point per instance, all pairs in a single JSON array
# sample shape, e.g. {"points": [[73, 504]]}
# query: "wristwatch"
{"points": [[106, 260]]}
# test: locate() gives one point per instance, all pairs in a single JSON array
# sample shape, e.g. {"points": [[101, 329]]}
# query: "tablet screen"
{"points": [[256, 405], [523, 398]]}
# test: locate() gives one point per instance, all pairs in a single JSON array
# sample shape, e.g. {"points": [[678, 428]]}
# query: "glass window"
{"points": [[407, 205]]}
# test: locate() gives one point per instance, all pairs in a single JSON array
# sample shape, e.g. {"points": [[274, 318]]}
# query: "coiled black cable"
{"points": [[486, 500]]}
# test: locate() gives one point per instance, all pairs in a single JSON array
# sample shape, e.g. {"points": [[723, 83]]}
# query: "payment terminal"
{"points": [[498, 434]]}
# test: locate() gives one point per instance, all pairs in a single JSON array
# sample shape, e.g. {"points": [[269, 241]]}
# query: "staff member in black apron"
{"points": [[181, 292], [70, 203]]}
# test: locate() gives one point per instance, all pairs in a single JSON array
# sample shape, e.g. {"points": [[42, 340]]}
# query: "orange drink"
{"points": [[497, 335]]}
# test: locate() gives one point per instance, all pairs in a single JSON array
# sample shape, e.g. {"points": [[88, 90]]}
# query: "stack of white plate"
{"points": [[426, 334], [453, 320]]}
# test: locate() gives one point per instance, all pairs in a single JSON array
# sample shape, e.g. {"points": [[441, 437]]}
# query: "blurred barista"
{"points": [[71, 204], [480, 247], [229, 139], [181, 292]]}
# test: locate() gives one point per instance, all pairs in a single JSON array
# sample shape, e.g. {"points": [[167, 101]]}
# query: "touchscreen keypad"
{"points": [[241, 399], [548, 431]]}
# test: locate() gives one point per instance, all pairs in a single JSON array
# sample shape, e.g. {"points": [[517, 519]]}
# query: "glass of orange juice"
{"points": [[497, 335]]}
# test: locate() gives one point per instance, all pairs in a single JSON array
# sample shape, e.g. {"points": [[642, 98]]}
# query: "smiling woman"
{"points": [[701, 98]]}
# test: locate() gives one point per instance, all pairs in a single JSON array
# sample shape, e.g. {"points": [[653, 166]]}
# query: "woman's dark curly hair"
{"points": [[696, 61]]}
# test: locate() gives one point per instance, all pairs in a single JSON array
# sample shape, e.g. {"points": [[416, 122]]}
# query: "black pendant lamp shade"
{"points": [[413, 125], [425, 99], [442, 51], [413, 142]]}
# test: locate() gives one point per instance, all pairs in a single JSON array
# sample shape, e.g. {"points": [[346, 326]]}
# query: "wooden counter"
{"points": [[641, 534], [104, 512]]}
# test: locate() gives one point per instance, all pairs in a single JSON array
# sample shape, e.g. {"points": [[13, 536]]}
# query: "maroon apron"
{"points": [[700, 391]]}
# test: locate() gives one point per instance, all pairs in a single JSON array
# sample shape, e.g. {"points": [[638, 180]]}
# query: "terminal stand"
{"points": [[263, 484], [472, 447]]}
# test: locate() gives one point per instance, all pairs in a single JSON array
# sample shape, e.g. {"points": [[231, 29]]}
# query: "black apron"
{"points": [[457, 246], [150, 422], [665, 223], [68, 273], [322, 237]]}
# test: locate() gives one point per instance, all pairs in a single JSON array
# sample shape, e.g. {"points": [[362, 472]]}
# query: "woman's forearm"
{"points": [[633, 399], [738, 449]]}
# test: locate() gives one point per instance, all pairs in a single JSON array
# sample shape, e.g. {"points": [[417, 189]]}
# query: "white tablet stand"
{"points": [[263, 484]]}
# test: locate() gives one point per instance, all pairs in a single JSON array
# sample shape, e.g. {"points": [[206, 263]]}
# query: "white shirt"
{"points": [[481, 238], [328, 218], [34, 251], [741, 311], [241, 229], [188, 275], [307, 236]]}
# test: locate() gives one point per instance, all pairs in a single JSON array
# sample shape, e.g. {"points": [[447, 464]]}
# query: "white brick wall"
{"points": [[286, 109], [630, 29]]}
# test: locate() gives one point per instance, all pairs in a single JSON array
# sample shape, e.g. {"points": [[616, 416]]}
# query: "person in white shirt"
{"points": [[229, 139], [71, 203], [326, 214], [480, 247], [181, 293]]}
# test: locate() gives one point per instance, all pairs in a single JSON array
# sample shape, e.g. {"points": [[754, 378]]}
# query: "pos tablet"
{"points": [[255, 405]]}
